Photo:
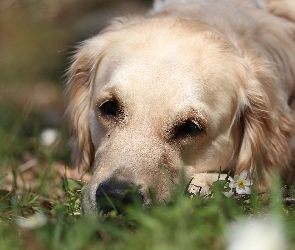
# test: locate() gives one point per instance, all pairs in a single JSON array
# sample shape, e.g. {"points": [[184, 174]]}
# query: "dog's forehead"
{"points": [[167, 71], [152, 84], [177, 70]]}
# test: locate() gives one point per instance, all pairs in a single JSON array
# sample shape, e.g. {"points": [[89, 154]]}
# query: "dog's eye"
{"points": [[189, 128], [110, 108]]}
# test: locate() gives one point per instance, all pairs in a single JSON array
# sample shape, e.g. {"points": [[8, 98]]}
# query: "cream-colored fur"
{"points": [[199, 86]]}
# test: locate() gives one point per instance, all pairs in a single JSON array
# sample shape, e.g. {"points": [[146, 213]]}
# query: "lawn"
{"points": [[40, 194]]}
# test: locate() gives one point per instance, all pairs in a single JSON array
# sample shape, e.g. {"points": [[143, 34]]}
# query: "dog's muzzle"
{"points": [[116, 195]]}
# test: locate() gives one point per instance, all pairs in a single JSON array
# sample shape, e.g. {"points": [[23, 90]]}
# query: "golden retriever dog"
{"points": [[197, 86]]}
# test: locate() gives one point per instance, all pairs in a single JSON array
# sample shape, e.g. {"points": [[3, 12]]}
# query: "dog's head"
{"points": [[148, 98]]}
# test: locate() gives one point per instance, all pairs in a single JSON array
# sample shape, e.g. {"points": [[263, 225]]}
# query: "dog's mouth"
{"points": [[118, 196]]}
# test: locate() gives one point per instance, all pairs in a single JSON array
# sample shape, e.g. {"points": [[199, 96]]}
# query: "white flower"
{"points": [[257, 234], [229, 193], [32, 222], [241, 184], [226, 186], [49, 136]]}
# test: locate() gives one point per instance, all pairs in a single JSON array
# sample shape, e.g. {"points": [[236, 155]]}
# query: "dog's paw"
{"points": [[200, 183]]}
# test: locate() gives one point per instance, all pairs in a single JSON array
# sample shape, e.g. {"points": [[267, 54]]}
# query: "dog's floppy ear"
{"points": [[79, 86], [268, 125]]}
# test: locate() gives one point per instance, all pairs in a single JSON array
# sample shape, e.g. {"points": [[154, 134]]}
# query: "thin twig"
{"points": [[7, 195], [29, 164]]}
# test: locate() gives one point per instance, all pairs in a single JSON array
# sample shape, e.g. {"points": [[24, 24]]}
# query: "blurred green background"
{"points": [[37, 38]]}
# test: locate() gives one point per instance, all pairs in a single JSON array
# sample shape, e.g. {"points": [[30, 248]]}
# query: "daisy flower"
{"points": [[241, 184], [32, 222], [257, 234], [49, 137]]}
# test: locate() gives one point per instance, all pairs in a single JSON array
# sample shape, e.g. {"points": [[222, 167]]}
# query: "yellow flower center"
{"points": [[241, 183]]}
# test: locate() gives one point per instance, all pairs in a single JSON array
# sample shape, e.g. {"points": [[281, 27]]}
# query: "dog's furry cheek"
{"points": [[94, 129]]}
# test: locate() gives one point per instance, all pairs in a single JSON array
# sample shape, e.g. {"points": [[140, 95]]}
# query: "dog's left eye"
{"points": [[189, 128], [110, 108]]}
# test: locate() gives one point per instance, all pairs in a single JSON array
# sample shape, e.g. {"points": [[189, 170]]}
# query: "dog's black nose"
{"points": [[115, 195]]}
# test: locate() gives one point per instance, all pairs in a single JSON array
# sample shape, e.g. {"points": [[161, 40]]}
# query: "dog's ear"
{"points": [[80, 75], [268, 125], [78, 92]]}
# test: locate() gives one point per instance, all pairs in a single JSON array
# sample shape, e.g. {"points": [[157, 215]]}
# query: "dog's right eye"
{"points": [[109, 108]]}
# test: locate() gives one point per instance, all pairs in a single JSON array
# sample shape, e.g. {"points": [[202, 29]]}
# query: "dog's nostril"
{"points": [[113, 195]]}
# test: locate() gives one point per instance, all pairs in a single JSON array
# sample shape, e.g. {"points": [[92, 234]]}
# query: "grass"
{"points": [[183, 223], [34, 44]]}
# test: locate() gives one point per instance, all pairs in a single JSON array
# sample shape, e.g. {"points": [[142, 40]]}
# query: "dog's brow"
{"points": [[190, 114], [106, 95], [198, 116]]}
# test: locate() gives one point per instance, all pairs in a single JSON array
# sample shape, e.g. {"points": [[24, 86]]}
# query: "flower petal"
{"points": [[247, 190], [236, 177], [229, 193], [248, 182], [240, 190], [243, 174], [232, 184]]}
